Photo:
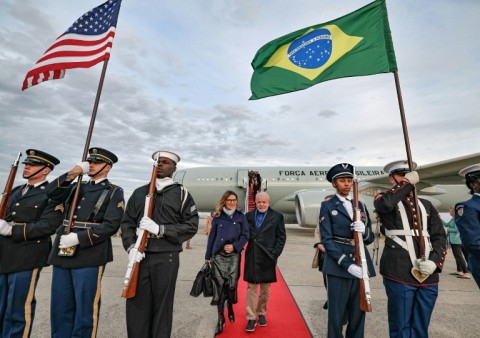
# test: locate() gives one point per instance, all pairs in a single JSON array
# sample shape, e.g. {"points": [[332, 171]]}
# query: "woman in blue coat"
{"points": [[228, 236]]}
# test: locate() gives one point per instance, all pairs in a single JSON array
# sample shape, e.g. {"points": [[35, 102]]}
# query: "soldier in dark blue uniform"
{"points": [[467, 218], [76, 280], [337, 231], [25, 244], [410, 299]]}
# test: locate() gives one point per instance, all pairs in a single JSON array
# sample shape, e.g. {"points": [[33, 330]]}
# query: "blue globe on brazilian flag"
{"points": [[356, 44]]}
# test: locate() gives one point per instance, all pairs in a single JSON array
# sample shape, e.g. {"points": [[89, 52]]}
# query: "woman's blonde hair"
{"points": [[223, 201]]}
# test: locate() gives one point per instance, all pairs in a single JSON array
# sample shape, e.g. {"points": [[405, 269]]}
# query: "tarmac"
{"points": [[456, 313]]}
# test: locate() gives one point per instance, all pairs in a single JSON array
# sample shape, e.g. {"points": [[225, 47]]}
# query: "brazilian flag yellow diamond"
{"points": [[314, 52]]}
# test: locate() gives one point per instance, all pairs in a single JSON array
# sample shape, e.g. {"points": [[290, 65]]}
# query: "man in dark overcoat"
{"points": [[267, 239], [31, 218]]}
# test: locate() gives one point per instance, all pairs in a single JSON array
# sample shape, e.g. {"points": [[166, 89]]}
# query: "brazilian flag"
{"points": [[357, 44]]}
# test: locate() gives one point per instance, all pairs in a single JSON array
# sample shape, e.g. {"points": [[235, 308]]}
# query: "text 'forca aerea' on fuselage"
{"points": [[324, 173]]}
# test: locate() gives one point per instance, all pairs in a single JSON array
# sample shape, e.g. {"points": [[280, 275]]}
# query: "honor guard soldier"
{"points": [[25, 243], [76, 278], [411, 296], [467, 218], [174, 220], [343, 275]]}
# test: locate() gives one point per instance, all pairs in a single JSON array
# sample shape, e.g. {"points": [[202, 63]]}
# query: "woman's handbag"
{"points": [[203, 282], [199, 282]]}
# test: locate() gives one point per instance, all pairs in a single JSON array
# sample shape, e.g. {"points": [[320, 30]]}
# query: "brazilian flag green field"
{"points": [[356, 44]]}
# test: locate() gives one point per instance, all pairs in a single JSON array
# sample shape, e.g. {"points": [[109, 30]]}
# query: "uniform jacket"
{"points": [[174, 208], [264, 247], [95, 246], [227, 230], [29, 246], [467, 218], [395, 262], [336, 222]]}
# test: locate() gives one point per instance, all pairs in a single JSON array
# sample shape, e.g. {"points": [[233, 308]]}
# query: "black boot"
{"points": [[231, 314], [220, 324]]}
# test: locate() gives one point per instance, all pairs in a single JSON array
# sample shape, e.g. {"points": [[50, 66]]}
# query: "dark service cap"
{"points": [[340, 170], [37, 157], [101, 155]]}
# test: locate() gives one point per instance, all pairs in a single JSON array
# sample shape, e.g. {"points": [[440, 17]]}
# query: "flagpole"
{"points": [[419, 227], [73, 205]]}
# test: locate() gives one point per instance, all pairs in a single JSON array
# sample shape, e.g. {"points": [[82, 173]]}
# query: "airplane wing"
{"points": [[443, 172]]}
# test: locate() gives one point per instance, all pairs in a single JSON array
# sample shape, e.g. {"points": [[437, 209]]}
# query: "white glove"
{"points": [[69, 240], [139, 232], [5, 228], [85, 167], [412, 177], [427, 267], [355, 270], [358, 226], [147, 224], [136, 255]]}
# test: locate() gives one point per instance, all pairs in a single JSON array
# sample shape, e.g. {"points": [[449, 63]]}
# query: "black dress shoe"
{"points": [[231, 314], [261, 320], [251, 325], [220, 325]]}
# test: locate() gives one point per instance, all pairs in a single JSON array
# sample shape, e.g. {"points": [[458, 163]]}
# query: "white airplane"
{"points": [[298, 191]]}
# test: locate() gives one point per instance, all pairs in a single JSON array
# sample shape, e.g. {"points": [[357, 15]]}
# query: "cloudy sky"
{"points": [[179, 79]]}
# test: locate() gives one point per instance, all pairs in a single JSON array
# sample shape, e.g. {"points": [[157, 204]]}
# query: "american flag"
{"points": [[87, 42]]}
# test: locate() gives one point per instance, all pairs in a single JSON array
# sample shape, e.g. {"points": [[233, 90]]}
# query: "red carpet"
{"points": [[284, 318]]}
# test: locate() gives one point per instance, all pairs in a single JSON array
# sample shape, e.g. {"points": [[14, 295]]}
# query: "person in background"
{"points": [[467, 218], [337, 230], [411, 295], [266, 242], [228, 236], [174, 220], [456, 244], [208, 223], [31, 218], [76, 279]]}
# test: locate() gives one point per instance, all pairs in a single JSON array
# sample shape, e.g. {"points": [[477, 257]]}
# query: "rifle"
{"points": [[8, 187], [376, 244], [131, 276], [360, 258]]}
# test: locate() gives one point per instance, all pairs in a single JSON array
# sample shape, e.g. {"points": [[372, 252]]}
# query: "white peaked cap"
{"points": [[165, 153], [398, 167], [470, 169]]}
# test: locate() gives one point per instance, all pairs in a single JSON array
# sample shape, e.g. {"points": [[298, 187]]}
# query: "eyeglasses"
{"points": [[232, 201]]}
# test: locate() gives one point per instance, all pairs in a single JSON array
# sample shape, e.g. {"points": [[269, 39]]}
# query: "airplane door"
{"points": [[242, 178]]}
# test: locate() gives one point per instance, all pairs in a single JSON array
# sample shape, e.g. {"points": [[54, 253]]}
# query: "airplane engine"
{"points": [[307, 207]]}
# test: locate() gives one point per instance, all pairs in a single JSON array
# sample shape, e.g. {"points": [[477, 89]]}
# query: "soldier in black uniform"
{"points": [[25, 243], [174, 220], [76, 280], [410, 299]]}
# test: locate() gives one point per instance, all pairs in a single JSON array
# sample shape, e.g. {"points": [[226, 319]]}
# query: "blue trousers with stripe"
{"points": [[410, 308], [75, 301], [17, 302]]}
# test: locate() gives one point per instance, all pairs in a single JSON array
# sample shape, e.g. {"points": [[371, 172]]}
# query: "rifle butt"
{"points": [[130, 290], [365, 304]]}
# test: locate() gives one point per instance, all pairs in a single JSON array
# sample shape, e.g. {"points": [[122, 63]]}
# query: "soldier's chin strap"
{"points": [[36, 172], [98, 172]]}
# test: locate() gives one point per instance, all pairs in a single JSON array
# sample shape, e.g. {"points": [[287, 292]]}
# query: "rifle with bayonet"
{"points": [[360, 258], [8, 187], [131, 277]]}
